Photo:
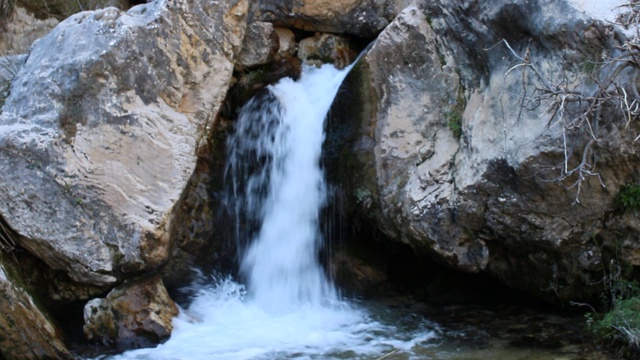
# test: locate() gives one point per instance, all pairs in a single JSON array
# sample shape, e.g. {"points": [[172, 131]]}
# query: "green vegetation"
{"points": [[454, 122], [629, 197], [619, 327]]}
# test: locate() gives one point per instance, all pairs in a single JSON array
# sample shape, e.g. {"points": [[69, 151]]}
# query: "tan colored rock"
{"points": [[27, 332], [286, 41], [326, 49], [260, 45], [358, 17], [133, 315], [456, 160], [100, 134], [21, 30]]}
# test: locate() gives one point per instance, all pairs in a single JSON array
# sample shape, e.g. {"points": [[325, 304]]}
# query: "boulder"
{"points": [[260, 45], [453, 157], [99, 136], [27, 331], [286, 42], [133, 315], [364, 18], [326, 49]]}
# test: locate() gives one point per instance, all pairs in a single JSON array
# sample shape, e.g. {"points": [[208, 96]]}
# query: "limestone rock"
{"points": [[326, 49], [21, 30], [27, 332], [358, 17], [99, 136], [61, 9], [131, 316], [456, 162], [286, 42], [260, 45]]}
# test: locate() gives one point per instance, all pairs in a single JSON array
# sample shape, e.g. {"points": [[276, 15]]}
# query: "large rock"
{"points": [[100, 133], [27, 331], [364, 18], [327, 49], [260, 45], [454, 158], [21, 30], [131, 316]]}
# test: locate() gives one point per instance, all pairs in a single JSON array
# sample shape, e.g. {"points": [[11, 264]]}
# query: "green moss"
{"points": [[454, 122], [629, 197]]}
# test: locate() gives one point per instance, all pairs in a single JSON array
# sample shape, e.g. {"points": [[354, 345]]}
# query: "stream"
{"points": [[285, 307]]}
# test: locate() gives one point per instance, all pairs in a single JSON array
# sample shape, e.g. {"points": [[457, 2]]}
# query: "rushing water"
{"points": [[287, 308]]}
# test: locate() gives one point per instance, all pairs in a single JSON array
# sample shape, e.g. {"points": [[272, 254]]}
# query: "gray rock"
{"points": [[260, 45], [99, 136], [455, 160], [326, 49], [357, 17], [21, 30]]}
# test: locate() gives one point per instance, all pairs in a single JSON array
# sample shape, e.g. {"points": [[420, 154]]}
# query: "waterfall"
{"points": [[288, 309], [282, 132]]}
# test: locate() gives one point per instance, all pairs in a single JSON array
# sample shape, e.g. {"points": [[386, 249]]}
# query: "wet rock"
{"points": [[358, 276], [27, 331], [100, 134], [133, 315], [260, 45], [326, 49]]}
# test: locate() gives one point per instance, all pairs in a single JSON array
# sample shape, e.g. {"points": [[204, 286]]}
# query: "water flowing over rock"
{"points": [[131, 316], [100, 133], [457, 162], [27, 331]]}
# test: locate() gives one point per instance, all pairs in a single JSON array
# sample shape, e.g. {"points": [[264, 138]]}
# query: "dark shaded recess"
{"points": [[392, 268], [250, 81], [67, 316]]}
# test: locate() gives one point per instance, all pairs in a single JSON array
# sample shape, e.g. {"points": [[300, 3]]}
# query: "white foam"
{"points": [[290, 310]]}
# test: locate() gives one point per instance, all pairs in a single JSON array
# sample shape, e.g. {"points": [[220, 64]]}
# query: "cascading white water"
{"points": [[290, 310], [281, 264]]}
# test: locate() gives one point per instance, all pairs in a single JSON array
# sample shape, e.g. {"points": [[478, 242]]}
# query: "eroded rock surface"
{"points": [[21, 30], [99, 136], [27, 331], [133, 315], [458, 161], [363, 18]]}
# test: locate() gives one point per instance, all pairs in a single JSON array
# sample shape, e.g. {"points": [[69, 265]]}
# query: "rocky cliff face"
{"points": [[462, 137], [466, 157]]}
